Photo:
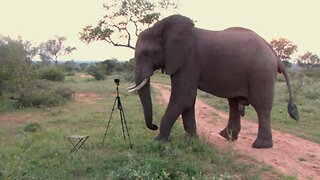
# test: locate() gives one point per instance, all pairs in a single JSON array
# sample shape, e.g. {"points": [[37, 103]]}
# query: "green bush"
{"points": [[280, 78], [71, 73], [129, 77], [96, 73], [44, 95], [64, 92], [288, 64], [312, 73], [311, 94], [51, 73], [6, 104], [31, 127], [40, 99]]}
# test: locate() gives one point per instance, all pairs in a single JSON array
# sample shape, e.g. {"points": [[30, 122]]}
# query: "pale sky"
{"points": [[40, 20]]}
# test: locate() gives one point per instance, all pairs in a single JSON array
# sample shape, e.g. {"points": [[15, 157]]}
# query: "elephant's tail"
{"points": [[292, 108]]}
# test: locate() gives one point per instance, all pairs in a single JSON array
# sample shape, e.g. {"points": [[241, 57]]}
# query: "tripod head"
{"points": [[117, 81]]}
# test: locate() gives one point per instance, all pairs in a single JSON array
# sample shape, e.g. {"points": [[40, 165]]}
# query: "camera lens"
{"points": [[117, 81]]}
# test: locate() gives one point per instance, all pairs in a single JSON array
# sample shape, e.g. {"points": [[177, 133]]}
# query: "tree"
{"points": [[53, 48], [284, 48], [69, 66], [124, 20], [108, 66], [30, 49], [15, 64], [83, 66], [308, 58]]}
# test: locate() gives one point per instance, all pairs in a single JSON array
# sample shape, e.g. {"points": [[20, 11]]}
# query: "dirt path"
{"points": [[13, 118], [290, 155]]}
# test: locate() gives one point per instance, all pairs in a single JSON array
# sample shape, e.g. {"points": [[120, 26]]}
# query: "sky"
{"points": [[41, 20]]}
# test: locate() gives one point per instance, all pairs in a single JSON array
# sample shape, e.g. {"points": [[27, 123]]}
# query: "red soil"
{"points": [[86, 97], [15, 117], [85, 76]]}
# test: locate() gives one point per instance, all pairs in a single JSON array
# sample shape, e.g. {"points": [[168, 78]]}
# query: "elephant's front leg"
{"points": [[189, 121], [233, 128], [182, 99]]}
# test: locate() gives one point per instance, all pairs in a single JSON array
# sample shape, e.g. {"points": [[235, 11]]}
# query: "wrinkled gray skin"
{"points": [[235, 63]]}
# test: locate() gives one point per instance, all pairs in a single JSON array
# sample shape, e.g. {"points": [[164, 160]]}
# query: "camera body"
{"points": [[117, 81]]}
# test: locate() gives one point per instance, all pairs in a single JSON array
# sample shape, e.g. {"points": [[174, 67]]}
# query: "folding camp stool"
{"points": [[78, 141]]}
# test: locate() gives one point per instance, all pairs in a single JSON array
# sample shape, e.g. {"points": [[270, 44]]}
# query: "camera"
{"points": [[117, 81]]}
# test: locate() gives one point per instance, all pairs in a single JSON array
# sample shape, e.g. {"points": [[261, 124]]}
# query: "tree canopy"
{"points": [[53, 48], [15, 63], [124, 20], [284, 48], [308, 58]]}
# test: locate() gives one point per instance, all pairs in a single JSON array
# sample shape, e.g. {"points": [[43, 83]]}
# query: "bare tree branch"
{"points": [[109, 40], [120, 15], [135, 25], [54, 48]]}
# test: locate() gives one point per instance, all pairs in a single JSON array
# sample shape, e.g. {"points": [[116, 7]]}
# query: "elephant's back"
{"points": [[237, 47], [235, 55]]}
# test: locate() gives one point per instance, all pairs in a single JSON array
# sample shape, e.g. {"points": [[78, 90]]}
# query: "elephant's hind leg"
{"points": [[242, 104], [263, 107], [264, 138], [233, 128]]}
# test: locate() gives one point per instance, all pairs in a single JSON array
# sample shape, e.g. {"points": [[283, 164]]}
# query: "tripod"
{"points": [[122, 116]]}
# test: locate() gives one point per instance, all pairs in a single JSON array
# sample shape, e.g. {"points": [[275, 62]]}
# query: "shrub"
{"points": [[39, 99], [71, 73], [129, 77], [31, 127], [6, 105], [44, 95], [311, 93], [281, 79], [288, 64], [312, 73], [96, 73], [64, 92], [51, 73]]}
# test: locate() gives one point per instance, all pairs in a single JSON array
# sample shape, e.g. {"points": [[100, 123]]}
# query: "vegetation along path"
{"points": [[290, 155]]}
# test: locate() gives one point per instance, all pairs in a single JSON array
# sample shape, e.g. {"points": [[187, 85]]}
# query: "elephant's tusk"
{"points": [[144, 82], [139, 86], [131, 87]]}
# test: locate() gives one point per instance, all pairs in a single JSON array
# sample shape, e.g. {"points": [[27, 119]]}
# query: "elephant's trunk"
{"points": [[145, 98]]}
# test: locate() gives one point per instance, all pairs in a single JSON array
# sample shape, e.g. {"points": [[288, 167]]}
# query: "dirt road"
{"points": [[290, 155]]}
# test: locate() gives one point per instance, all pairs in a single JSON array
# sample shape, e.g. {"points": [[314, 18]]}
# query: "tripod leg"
{"points": [[121, 118], [125, 123], [105, 133]]}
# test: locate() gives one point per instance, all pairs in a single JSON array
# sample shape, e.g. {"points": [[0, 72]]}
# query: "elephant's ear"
{"points": [[178, 42]]}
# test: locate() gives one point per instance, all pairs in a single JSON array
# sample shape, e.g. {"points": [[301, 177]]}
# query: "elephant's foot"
{"points": [[161, 138], [229, 134], [191, 135], [262, 143]]}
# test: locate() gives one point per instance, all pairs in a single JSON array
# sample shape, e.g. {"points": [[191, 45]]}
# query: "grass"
{"points": [[45, 153], [6, 104]]}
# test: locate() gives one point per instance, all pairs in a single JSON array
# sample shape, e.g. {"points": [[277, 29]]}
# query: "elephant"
{"points": [[234, 63]]}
